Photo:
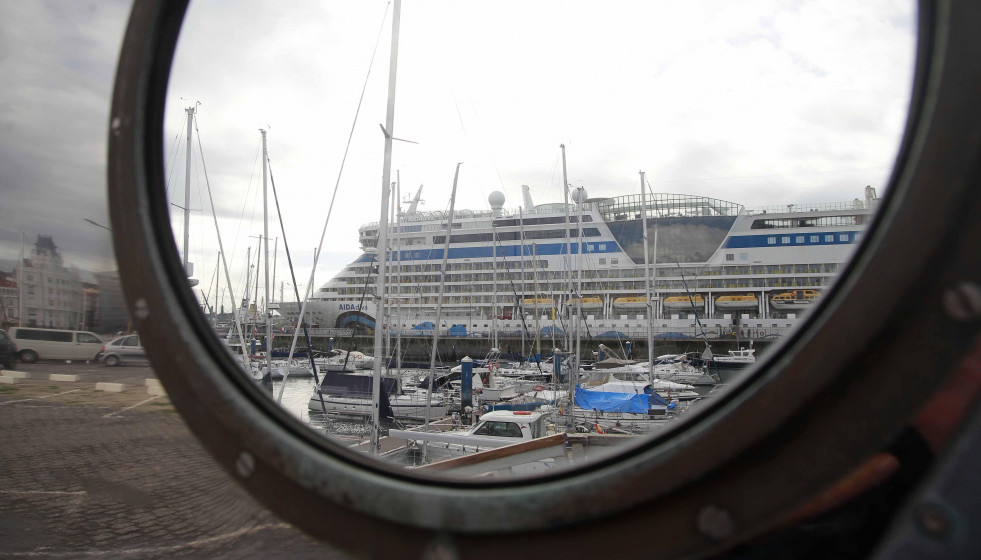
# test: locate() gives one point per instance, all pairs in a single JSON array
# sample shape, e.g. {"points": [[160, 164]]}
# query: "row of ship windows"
{"points": [[515, 222], [804, 239], [512, 269], [517, 236], [593, 287], [822, 221]]}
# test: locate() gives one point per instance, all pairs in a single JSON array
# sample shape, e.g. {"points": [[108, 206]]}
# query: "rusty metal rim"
{"points": [[789, 416]]}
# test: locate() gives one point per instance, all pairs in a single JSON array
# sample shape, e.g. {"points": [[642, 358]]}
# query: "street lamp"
{"points": [[96, 224]]}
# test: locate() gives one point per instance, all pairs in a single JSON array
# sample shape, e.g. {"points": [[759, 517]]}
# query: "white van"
{"points": [[53, 344]]}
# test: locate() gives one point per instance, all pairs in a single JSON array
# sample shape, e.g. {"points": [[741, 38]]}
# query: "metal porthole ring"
{"points": [[827, 398]]}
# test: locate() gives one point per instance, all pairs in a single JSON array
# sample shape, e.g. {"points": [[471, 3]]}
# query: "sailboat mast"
{"points": [[534, 272], [187, 188], [439, 306], [580, 201], [265, 241], [273, 283], [494, 287], [383, 230], [568, 243], [217, 288], [398, 272], [524, 295], [647, 279]]}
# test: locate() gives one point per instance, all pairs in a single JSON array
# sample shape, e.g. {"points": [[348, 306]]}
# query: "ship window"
{"points": [[771, 240], [829, 238], [499, 429], [843, 237], [784, 240], [800, 240], [730, 257], [614, 261], [815, 239], [602, 260]]}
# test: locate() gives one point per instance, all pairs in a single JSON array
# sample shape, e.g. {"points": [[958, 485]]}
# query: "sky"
{"points": [[762, 103]]}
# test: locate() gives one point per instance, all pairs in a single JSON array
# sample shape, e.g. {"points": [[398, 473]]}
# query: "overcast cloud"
{"points": [[759, 103]]}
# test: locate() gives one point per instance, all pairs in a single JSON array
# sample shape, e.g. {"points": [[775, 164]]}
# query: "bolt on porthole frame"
{"points": [[787, 432]]}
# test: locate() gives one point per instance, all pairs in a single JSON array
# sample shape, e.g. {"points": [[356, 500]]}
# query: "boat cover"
{"points": [[616, 402], [360, 386]]}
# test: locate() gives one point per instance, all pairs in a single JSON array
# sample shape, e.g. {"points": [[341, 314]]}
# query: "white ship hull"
{"points": [[788, 249]]}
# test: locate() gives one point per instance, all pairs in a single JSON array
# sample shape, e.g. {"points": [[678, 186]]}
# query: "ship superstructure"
{"points": [[755, 270]]}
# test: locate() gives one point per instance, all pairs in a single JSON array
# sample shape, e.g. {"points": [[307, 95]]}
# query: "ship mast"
{"points": [[383, 229]]}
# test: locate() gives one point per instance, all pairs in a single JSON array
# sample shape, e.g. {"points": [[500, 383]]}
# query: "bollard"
{"points": [[466, 388]]}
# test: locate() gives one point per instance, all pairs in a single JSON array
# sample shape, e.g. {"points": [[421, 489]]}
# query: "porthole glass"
{"points": [[755, 127]]}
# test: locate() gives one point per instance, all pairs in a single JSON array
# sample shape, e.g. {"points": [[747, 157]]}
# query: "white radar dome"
{"points": [[579, 195], [496, 199]]}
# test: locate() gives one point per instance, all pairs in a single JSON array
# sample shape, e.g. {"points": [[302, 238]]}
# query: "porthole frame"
{"points": [[734, 472]]}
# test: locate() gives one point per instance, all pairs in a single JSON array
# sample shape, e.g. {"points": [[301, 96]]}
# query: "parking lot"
{"points": [[89, 472]]}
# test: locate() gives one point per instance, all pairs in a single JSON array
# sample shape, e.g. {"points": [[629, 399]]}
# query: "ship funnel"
{"points": [[415, 202], [871, 198], [496, 201], [526, 196]]}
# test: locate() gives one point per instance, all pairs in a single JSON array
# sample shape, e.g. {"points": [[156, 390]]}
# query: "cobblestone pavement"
{"points": [[91, 474]]}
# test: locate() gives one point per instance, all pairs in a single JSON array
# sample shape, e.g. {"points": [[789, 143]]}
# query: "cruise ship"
{"points": [[716, 268]]}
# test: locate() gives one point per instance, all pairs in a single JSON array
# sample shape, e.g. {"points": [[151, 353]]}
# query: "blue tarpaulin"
{"points": [[613, 402], [612, 334]]}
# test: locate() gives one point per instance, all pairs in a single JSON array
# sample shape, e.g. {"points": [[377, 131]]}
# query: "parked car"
{"points": [[54, 344], [123, 350], [8, 351]]}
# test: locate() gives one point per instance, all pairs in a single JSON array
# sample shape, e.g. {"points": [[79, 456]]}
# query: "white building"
{"points": [[52, 293], [9, 301]]}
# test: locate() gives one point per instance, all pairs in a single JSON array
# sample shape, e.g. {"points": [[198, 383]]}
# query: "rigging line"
{"points": [[296, 291], [497, 170], [221, 249], [200, 215], [340, 172], [173, 158], [517, 301], [681, 272], [245, 199]]}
